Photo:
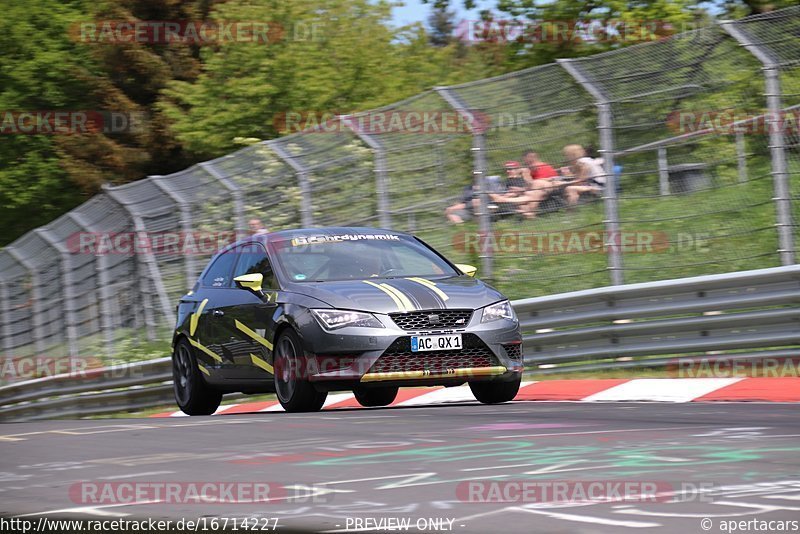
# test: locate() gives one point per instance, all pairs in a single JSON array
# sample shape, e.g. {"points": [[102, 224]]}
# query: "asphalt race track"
{"points": [[710, 462]]}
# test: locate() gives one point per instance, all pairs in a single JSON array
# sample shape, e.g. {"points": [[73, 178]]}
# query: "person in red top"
{"points": [[527, 185], [539, 169], [541, 181]]}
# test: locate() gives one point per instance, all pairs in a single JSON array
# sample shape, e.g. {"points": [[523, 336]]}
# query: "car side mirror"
{"points": [[250, 281], [469, 270]]}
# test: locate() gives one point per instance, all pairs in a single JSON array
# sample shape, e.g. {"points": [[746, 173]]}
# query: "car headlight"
{"points": [[499, 310], [335, 319]]}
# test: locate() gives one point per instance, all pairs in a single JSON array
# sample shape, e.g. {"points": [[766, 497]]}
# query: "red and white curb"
{"points": [[603, 390]]}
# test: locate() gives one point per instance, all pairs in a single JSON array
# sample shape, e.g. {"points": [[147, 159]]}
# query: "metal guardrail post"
{"points": [[663, 172], [104, 288], [148, 264], [306, 209], [381, 178], [37, 302], [236, 195], [479, 173], [780, 175], [187, 227], [741, 156], [67, 289], [5, 313], [610, 198]]}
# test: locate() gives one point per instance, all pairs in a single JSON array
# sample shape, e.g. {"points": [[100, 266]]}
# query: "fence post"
{"points": [[610, 200], [104, 288], [186, 226], [147, 264], [741, 156], [36, 298], [306, 211], [381, 178], [780, 175], [67, 289], [5, 312], [236, 195], [663, 172], [479, 173]]}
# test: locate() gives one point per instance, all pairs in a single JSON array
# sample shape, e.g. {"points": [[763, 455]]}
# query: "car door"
{"points": [[212, 295], [250, 316]]}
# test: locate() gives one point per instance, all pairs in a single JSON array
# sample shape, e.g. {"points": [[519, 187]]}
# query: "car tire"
{"points": [[495, 392], [294, 391], [372, 397], [192, 394]]}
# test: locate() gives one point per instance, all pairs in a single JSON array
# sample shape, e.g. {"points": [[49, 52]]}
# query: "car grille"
{"points": [[421, 320], [399, 358], [514, 351]]}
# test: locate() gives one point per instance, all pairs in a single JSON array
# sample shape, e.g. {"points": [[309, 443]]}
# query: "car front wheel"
{"points": [[192, 394], [295, 392], [495, 392]]}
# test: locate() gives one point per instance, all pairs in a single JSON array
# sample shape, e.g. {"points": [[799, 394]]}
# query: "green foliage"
{"points": [[334, 56], [45, 66], [37, 72]]}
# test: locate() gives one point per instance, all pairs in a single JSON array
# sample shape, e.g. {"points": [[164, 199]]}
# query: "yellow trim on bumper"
{"points": [[422, 375], [205, 349], [203, 369], [258, 362], [253, 335]]}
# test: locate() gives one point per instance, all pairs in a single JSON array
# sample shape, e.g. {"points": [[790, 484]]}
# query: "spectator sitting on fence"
{"points": [[587, 174], [524, 193], [461, 211], [543, 175]]}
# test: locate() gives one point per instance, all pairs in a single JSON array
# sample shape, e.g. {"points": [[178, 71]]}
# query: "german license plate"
{"points": [[442, 342]]}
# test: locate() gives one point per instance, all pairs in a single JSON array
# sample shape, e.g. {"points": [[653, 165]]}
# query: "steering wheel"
{"points": [[389, 271]]}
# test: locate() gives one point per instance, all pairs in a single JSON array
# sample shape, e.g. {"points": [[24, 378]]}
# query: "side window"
{"points": [[219, 274], [253, 259]]}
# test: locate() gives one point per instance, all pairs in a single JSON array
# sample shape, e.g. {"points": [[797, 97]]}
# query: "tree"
{"points": [[38, 64], [332, 56], [48, 64], [441, 23]]}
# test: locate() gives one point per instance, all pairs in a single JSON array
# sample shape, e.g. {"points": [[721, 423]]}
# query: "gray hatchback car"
{"points": [[304, 312]]}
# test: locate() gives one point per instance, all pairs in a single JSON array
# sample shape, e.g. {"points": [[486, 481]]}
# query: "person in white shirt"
{"points": [[588, 175]]}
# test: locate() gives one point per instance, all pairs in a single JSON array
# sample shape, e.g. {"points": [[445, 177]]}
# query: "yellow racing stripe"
{"points": [[258, 362], [430, 285], [205, 349], [396, 300], [253, 335], [403, 298], [196, 317], [203, 369]]}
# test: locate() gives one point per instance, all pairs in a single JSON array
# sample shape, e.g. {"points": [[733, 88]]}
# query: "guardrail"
{"points": [[756, 314], [749, 310]]}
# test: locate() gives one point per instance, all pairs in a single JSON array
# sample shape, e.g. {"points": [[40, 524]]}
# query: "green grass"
{"points": [[729, 227]]}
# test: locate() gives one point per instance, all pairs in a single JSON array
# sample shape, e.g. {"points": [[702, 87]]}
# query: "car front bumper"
{"points": [[492, 351]]}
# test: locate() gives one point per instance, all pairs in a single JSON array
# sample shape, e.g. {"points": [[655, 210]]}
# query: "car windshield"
{"points": [[325, 258]]}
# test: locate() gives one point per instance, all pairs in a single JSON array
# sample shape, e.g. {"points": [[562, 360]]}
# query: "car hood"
{"points": [[389, 295]]}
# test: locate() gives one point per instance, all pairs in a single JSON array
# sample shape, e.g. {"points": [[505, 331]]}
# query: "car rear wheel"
{"points": [[192, 394], [370, 397], [294, 391], [495, 392]]}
